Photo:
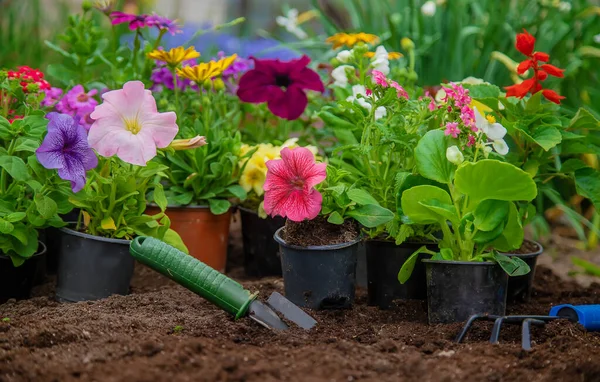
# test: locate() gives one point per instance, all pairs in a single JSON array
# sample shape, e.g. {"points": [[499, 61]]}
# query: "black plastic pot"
{"points": [[16, 282], [92, 267], [458, 289], [261, 252], [384, 260], [519, 287], [361, 266], [319, 277]]}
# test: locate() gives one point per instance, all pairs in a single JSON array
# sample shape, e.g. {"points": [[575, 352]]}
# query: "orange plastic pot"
{"points": [[206, 235]]}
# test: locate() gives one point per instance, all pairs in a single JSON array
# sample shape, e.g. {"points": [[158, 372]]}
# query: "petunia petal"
{"points": [[495, 131], [256, 87], [291, 105], [161, 127], [500, 146], [307, 79]]}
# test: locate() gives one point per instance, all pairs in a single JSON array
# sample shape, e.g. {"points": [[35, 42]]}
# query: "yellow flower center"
{"points": [[490, 118], [132, 125]]}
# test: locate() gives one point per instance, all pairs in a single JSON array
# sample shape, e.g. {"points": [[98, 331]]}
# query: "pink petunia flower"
{"points": [[127, 124], [281, 85], [452, 129], [135, 21], [78, 99], [289, 185], [380, 78], [400, 89]]}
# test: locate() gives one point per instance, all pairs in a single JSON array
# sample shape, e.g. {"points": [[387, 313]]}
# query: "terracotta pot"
{"points": [[205, 234]]}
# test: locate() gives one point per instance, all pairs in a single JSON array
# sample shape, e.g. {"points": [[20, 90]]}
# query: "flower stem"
{"points": [[176, 91]]}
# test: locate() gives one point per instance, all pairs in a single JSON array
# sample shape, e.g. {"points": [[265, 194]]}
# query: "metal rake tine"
{"points": [[496, 330], [526, 332], [469, 323]]}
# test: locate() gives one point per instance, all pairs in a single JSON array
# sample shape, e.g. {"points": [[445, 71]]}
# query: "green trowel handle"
{"points": [[192, 274]]}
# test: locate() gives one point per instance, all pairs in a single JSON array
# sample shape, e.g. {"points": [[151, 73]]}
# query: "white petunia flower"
{"points": [[290, 23], [344, 56], [340, 76], [381, 60], [357, 90]]}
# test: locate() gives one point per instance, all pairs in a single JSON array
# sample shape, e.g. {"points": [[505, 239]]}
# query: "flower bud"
{"points": [[412, 76], [344, 56], [208, 84], [188, 144], [407, 44], [86, 5], [428, 9], [486, 151], [454, 155], [218, 84], [163, 103]]}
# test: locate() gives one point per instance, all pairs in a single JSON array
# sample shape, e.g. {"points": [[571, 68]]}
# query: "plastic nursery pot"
{"points": [[519, 287], [261, 251], [205, 234], [384, 260], [16, 282], [458, 289], [319, 277], [361, 266], [92, 267]]}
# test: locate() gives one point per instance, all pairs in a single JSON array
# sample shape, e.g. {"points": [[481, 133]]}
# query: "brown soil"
{"points": [[318, 232], [162, 332], [527, 247]]}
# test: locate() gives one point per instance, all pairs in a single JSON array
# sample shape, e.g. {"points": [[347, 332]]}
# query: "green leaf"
{"points": [[26, 144], [5, 129], [447, 211], [572, 165], [447, 254], [490, 213], [219, 206], [5, 226], [409, 265], [587, 184], [513, 234], [485, 237], [15, 167], [588, 267], [173, 239], [430, 155], [335, 218], [108, 224], [20, 233], [45, 206], [584, 120], [15, 217], [514, 266], [159, 197], [419, 213], [483, 91], [238, 191], [547, 136], [371, 215], [492, 179], [361, 197]]}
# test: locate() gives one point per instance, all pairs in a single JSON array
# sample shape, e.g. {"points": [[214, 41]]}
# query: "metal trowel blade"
{"points": [[265, 316], [290, 311]]}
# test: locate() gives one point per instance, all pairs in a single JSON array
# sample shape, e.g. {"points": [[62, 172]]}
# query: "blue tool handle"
{"points": [[587, 315]]}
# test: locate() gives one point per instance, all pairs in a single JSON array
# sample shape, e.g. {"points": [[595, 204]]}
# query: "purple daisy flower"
{"points": [[163, 23], [66, 149], [135, 21]]}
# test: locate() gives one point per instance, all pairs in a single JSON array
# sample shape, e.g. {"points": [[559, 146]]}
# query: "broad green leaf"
{"points": [[587, 184], [446, 254], [419, 213], [547, 136], [45, 206], [513, 234], [182, 199], [335, 218], [361, 197], [108, 224], [483, 91], [572, 165], [492, 179], [514, 266], [20, 233], [219, 206], [5, 226], [371, 215], [490, 213], [406, 180], [584, 120], [15, 217], [159, 197], [409, 265], [430, 155], [15, 167], [173, 239], [238, 191], [485, 237], [5, 129], [447, 211]]}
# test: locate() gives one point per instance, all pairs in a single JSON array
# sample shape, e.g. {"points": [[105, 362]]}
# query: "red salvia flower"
{"points": [[526, 44]]}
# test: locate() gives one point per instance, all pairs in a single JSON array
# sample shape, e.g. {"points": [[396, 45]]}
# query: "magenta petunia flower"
{"points": [[289, 185], [380, 78], [66, 149], [281, 85], [79, 100], [163, 23], [399, 89], [127, 124], [135, 21], [53, 95]]}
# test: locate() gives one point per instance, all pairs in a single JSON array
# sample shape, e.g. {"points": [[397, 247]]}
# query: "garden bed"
{"points": [[164, 332]]}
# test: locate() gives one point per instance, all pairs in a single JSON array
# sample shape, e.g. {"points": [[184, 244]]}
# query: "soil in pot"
{"points": [[17, 282], [318, 260], [92, 267], [458, 289], [205, 234], [261, 251], [384, 260], [519, 287]]}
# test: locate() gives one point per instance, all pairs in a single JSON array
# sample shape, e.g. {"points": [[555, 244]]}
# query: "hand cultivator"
{"points": [[216, 287], [586, 315]]}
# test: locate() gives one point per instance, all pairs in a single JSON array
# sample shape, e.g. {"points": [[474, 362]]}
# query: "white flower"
{"points": [[486, 151], [564, 7], [344, 56], [428, 9], [290, 143], [340, 76], [381, 61], [454, 155], [493, 131], [597, 38], [357, 90], [290, 23]]}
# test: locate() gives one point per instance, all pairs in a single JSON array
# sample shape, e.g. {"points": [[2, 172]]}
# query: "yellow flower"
{"points": [[391, 55], [206, 70], [351, 39], [174, 56], [253, 178], [305, 16]]}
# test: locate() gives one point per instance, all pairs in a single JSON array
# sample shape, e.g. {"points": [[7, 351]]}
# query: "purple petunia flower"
{"points": [[66, 149], [81, 101], [163, 23], [135, 21]]}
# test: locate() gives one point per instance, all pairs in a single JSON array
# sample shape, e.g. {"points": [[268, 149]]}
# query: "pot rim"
{"points": [[38, 253], [190, 207], [330, 247], [527, 255], [405, 242], [453, 262], [72, 232]]}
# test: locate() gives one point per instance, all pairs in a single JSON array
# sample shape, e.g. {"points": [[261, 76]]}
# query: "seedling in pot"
{"points": [[216, 287]]}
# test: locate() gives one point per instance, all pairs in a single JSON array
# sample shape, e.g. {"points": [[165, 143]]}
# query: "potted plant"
{"points": [[321, 235], [31, 197], [378, 125], [109, 191]]}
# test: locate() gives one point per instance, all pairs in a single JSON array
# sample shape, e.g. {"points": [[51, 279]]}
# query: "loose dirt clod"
{"points": [[319, 232]]}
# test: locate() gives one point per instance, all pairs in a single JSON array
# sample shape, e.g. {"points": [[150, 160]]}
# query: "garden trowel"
{"points": [[215, 286]]}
